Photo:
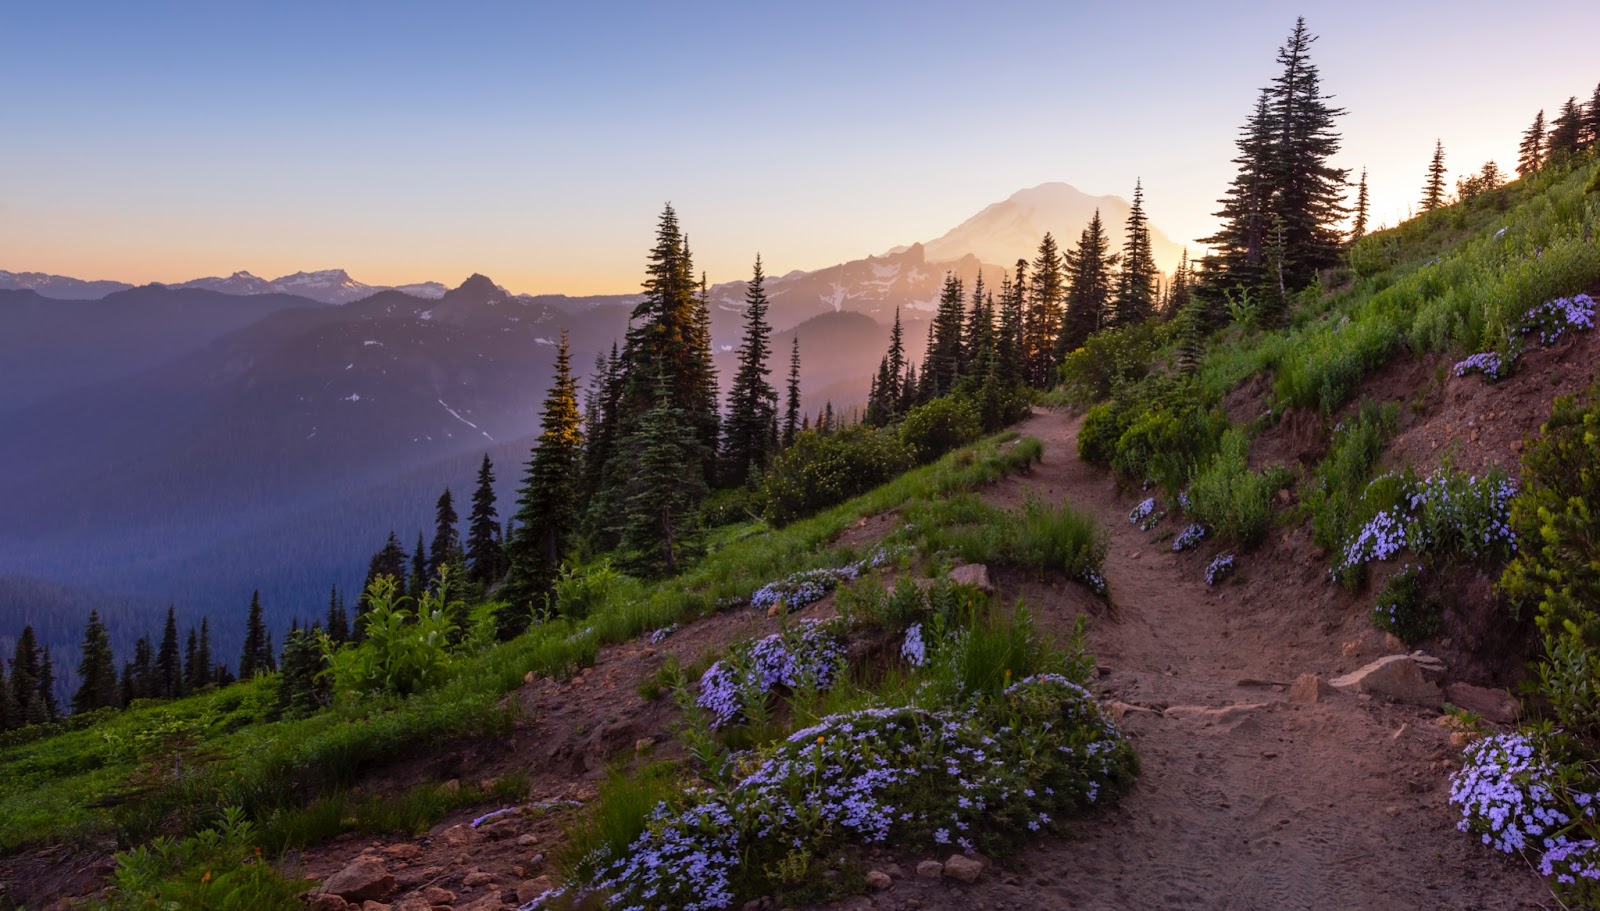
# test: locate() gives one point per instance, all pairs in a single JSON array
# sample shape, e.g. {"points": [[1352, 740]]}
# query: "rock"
{"points": [[964, 868], [453, 786], [1397, 677], [644, 744], [528, 890], [365, 878], [1309, 688], [877, 880], [526, 840], [894, 871], [1433, 669], [931, 869], [370, 905], [477, 878], [1495, 705], [529, 677], [1393, 643], [413, 903], [973, 574], [404, 851], [489, 902], [456, 836], [324, 901], [437, 896]]}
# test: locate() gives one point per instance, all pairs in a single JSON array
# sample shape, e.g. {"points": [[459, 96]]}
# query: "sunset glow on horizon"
{"points": [[536, 145]]}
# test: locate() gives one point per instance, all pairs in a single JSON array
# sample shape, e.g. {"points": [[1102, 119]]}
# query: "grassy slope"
{"points": [[176, 765]]}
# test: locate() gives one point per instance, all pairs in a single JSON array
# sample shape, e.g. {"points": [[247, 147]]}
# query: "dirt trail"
{"points": [[1246, 800]]}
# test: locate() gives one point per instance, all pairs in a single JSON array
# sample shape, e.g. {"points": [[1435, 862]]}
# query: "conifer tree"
{"points": [[8, 707], [791, 412], [1591, 121], [301, 691], [1237, 261], [389, 561], [896, 364], [191, 660], [97, 669], [25, 669], [661, 494], [547, 514], [125, 688], [942, 366], [47, 686], [1134, 299], [256, 658], [204, 672], [1089, 289], [1358, 229], [1009, 368], [418, 580], [144, 669], [1178, 291], [169, 667], [445, 549], [338, 622], [1433, 188], [601, 430], [978, 344], [1531, 152], [485, 554], [1042, 322], [748, 440], [1566, 131]]}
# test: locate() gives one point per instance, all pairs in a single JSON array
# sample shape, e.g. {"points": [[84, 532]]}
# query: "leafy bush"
{"points": [[1557, 572], [1110, 360], [941, 425], [1168, 438], [402, 651], [591, 589], [1059, 539], [1445, 516], [218, 869], [1403, 608], [820, 471], [1340, 478], [1233, 500]]}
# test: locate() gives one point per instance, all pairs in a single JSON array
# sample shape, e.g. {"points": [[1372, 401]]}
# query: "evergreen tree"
{"points": [[8, 707], [338, 622], [1178, 292], [1237, 261], [26, 667], [1433, 189], [97, 669], [791, 412], [47, 686], [661, 495], [256, 658], [418, 580], [978, 344], [547, 513], [1042, 321], [144, 669], [389, 561], [485, 555], [302, 689], [204, 674], [601, 431], [1089, 295], [1358, 229], [1566, 131], [942, 366], [169, 666], [748, 440], [125, 690], [1009, 368], [1135, 297], [1531, 152], [191, 661], [445, 549], [1591, 121], [896, 364]]}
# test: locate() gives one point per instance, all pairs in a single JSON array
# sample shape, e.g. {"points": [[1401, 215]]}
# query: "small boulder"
{"points": [[437, 896], [877, 880], [1397, 677], [404, 851], [1309, 688], [325, 901], [930, 869], [527, 840], [1495, 705], [964, 868], [477, 878], [973, 574], [1433, 669], [364, 879], [489, 902], [413, 903], [530, 889]]}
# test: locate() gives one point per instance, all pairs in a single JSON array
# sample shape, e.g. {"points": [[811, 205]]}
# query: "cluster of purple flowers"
{"points": [[1465, 515], [1219, 569], [869, 777], [914, 650], [1487, 363], [1189, 537], [1553, 318], [1093, 579], [808, 654], [1146, 515], [660, 635], [494, 814], [1512, 795]]}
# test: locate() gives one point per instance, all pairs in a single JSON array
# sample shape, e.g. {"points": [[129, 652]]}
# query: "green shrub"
{"points": [[1168, 440], [1403, 608], [821, 471], [1110, 360], [1230, 498], [1102, 427], [941, 425], [1340, 478], [402, 651], [1058, 539], [218, 869], [1557, 570]]}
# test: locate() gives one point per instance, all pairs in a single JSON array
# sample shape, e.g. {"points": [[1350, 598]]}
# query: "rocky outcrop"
{"points": [[365, 879], [1398, 677]]}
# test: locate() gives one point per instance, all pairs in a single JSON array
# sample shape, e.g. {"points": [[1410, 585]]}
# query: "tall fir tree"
{"points": [[418, 580], [1178, 290], [942, 366], [1135, 296], [1531, 151], [337, 623], [978, 342], [144, 669], [896, 364], [1009, 368], [302, 688], [547, 504], [602, 428], [96, 670], [1358, 227], [1237, 262], [1591, 121], [661, 495], [1089, 294], [1042, 322], [1566, 131], [203, 673], [25, 670], [47, 686], [791, 409], [485, 553], [257, 657], [1433, 188], [191, 659], [389, 561], [749, 438], [169, 663], [8, 706], [445, 549]]}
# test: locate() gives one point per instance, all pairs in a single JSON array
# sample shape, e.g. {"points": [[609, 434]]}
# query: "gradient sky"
{"points": [[536, 142]]}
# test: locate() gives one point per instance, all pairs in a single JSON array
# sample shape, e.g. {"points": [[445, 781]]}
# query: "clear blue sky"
{"points": [[537, 142]]}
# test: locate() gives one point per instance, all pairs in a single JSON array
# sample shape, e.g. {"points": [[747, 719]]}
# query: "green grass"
{"points": [[1230, 498]]}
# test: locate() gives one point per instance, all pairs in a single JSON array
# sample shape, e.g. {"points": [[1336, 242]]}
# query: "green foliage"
{"points": [[1168, 435], [1402, 607], [941, 425], [404, 651], [591, 588], [411, 812], [1045, 538], [1557, 571], [620, 815], [1059, 539], [820, 471], [217, 869], [1230, 498], [1339, 479], [1110, 360]]}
